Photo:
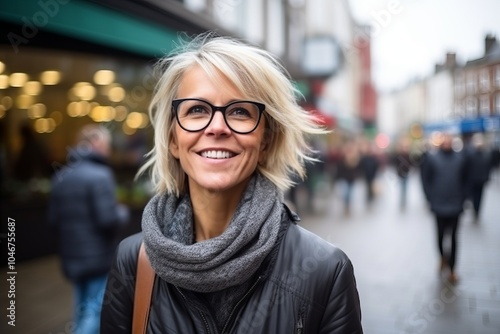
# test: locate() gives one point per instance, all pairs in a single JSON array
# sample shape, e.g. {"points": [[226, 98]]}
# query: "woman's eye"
{"points": [[239, 112], [198, 110]]}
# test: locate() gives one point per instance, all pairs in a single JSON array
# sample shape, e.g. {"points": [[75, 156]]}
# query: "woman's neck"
{"points": [[212, 212]]}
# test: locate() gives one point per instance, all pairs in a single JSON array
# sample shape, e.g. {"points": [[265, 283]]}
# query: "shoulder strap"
{"points": [[144, 281]]}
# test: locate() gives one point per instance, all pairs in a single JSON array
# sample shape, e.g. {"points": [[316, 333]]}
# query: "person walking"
{"points": [[401, 160], [227, 254], [479, 165], [444, 175], [348, 170], [369, 164], [84, 210]]}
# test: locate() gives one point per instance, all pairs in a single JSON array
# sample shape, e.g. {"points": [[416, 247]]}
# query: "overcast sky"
{"points": [[418, 33]]}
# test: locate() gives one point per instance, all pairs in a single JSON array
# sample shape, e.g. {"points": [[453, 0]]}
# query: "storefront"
{"points": [[64, 64], [466, 126]]}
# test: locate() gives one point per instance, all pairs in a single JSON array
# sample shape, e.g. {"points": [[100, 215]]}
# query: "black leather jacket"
{"points": [[310, 289]]}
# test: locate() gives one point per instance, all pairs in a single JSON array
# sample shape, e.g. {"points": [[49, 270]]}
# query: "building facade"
{"points": [[477, 90], [462, 99]]}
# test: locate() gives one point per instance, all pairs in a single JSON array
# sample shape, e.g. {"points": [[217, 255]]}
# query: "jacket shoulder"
{"points": [[82, 173], [96, 170], [310, 246], [127, 254], [117, 306], [305, 262], [314, 271]]}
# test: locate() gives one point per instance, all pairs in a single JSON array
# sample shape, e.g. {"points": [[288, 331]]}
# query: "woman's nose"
{"points": [[218, 124]]}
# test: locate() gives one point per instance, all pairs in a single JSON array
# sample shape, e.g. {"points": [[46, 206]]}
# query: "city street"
{"points": [[395, 258], [396, 261]]}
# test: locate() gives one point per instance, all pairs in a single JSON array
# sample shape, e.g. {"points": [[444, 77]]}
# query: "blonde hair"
{"points": [[259, 77]]}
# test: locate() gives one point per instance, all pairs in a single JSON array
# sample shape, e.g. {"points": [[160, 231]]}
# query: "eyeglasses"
{"points": [[195, 115]]}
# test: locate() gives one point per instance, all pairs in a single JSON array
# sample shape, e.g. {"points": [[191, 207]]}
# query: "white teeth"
{"points": [[216, 154]]}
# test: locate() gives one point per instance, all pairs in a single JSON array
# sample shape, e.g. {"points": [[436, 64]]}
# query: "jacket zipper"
{"points": [[300, 322], [207, 327], [205, 321], [239, 302], [300, 326]]}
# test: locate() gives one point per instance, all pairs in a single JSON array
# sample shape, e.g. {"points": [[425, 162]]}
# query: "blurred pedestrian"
{"points": [[224, 248], [495, 157], [479, 167], [87, 217], [444, 175], [401, 161], [369, 165], [33, 160], [495, 162], [425, 151], [348, 171]]}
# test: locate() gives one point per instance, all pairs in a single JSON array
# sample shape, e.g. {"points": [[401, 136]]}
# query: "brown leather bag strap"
{"points": [[144, 281]]}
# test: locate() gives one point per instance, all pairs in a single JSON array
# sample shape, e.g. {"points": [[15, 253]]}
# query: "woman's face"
{"points": [[215, 159]]}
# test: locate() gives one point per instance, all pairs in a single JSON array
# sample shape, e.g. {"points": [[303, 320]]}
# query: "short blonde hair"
{"points": [[258, 76]]}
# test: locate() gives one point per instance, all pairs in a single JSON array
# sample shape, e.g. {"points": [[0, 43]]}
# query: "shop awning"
{"points": [[481, 124], [450, 126], [88, 22]]}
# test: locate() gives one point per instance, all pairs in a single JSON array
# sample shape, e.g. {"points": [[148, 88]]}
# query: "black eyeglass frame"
{"points": [[222, 109]]}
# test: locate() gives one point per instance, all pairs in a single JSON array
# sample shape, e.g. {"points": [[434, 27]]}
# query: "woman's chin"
{"points": [[217, 184]]}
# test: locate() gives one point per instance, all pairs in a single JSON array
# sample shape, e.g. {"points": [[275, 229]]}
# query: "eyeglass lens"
{"points": [[194, 115]]}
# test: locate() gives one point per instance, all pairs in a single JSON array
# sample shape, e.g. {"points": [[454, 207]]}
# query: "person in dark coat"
{"points": [[84, 210], [444, 175], [369, 165], [495, 157], [479, 167], [402, 162], [425, 151], [227, 254]]}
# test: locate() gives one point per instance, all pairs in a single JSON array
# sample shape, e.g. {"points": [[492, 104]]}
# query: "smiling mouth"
{"points": [[217, 154]]}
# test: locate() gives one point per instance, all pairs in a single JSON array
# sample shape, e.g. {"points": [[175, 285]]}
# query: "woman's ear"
{"points": [[264, 145], [174, 146]]}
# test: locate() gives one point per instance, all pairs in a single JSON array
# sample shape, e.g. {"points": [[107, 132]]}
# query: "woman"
{"points": [[227, 254]]}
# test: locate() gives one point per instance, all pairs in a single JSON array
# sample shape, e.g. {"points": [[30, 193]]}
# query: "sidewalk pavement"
{"points": [[43, 299]]}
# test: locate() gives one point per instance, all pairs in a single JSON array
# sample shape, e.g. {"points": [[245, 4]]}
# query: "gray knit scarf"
{"points": [[221, 262]]}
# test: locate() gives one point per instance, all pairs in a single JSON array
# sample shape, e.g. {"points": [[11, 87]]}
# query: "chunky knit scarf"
{"points": [[221, 262]]}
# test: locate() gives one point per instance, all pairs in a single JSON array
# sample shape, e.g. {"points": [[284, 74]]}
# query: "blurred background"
{"points": [[388, 77]]}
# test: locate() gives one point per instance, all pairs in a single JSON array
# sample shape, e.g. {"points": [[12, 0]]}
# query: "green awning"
{"points": [[86, 21]]}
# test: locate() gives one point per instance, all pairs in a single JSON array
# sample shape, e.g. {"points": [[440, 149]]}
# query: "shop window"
{"points": [[460, 109], [497, 104], [497, 76], [484, 80], [47, 95], [471, 106], [460, 85], [484, 105], [471, 83]]}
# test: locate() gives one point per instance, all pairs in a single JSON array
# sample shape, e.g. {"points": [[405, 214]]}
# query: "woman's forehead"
{"points": [[211, 81]]}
